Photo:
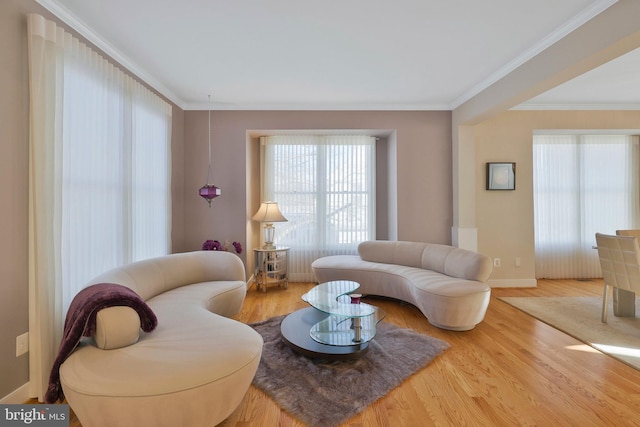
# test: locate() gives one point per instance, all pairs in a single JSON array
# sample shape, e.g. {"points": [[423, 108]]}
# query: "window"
{"points": [[115, 174], [325, 187], [583, 184]]}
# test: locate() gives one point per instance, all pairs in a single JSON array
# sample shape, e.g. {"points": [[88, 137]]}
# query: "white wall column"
{"points": [[464, 233]]}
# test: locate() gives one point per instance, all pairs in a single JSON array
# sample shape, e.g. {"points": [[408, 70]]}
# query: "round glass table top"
{"points": [[333, 298]]}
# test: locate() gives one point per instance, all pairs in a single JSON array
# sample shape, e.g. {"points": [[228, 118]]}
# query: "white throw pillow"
{"points": [[117, 327]]}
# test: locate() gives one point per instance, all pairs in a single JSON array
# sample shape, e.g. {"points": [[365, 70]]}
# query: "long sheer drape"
{"points": [[99, 179], [583, 184], [325, 187]]}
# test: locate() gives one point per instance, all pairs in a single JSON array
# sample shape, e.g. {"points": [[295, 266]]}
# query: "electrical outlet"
{"points": [[518, 262], [22, 344], [496, 262]]}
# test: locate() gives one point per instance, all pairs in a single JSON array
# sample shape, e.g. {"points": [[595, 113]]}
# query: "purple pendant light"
{"points": [[209, 191]]}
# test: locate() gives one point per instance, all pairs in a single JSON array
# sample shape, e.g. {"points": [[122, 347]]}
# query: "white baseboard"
{"points": [[17, 397], [512, 283]]}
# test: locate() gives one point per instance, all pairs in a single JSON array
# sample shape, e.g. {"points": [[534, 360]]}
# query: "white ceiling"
{"points": [[614, 85], [342, 54]]}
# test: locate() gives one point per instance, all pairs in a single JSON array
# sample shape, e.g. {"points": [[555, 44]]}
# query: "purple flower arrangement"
{"points": [[215, 245]]}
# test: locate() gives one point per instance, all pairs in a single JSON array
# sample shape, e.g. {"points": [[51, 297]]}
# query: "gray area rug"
{"points": [[327, 393], [580, 318]]}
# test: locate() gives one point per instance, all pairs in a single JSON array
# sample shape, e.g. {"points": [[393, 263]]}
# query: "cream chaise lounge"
{"points": [[192, 370], [447, 284]]}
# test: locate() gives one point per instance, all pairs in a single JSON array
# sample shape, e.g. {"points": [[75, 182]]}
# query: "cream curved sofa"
{"points": [[447, 284], [193, 370]]}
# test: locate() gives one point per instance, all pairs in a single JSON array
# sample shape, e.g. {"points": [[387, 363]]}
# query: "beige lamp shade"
{"points": [[268, 214]]}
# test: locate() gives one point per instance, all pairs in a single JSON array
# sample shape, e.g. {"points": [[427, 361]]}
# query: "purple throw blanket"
{"points": [[81, 322]]}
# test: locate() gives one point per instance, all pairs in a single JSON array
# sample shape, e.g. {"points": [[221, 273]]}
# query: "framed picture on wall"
{"points": [[501, 176]]}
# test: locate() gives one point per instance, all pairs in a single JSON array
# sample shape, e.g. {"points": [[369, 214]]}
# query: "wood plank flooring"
{"points": [[511, 370]]}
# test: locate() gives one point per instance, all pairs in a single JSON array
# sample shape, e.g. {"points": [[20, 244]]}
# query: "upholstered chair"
{"points": [[620, 262], [632, 233]]}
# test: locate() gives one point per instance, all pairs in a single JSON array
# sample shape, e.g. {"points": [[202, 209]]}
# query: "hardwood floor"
{"points": [[510, 370]]}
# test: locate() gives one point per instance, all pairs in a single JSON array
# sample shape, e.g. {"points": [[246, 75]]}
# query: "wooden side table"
{"points": [[271, 267]]}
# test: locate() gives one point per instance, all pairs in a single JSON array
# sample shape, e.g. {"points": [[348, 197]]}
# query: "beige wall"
{"points": [[423, 144], [505, 218], [14, 152]]}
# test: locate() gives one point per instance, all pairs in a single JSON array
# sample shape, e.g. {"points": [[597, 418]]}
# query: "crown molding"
{"points": [[315, 107], [78, 25], [586, 131], [575, 22], [564, 107]]}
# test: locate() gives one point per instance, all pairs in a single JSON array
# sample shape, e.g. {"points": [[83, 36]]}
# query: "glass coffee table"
{"points": [[335, 327]]}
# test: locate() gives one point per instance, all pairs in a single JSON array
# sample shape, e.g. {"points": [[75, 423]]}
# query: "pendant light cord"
{"points": [[209, 169]]}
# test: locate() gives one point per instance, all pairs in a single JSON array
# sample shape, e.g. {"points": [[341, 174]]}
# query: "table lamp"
{"points": [[268, 214]]}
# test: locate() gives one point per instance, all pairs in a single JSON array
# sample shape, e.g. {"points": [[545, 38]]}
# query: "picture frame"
{"points": [[501, 176]]}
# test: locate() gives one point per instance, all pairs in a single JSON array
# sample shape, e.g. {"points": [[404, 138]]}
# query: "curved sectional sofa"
{"points": [[446, 283], [192, 370]]}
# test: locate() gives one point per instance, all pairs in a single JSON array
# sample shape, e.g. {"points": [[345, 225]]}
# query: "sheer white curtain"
{"points": [[99, 179], [583, 184], [325, 187]]}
